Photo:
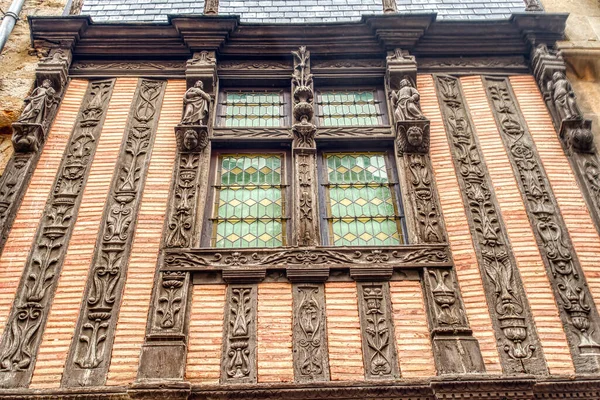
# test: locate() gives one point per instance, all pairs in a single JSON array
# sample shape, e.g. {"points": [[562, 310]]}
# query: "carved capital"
{"points": [[400, 64], [55, 67], [203, 65]]}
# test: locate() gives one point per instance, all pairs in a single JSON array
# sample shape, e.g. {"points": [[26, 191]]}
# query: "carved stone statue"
{"points": [[563, 97], [406, 102], [195, 105], [39, 104]]}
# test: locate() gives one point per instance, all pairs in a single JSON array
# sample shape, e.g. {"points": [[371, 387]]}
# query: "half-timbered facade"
{"points": [[400, 206]]}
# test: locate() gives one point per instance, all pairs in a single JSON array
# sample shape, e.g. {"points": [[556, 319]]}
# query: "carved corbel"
{"points": [[304, 150]]}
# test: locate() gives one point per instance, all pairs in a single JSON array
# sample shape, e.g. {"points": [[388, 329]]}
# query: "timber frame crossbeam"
{"points": [[307, 263]]}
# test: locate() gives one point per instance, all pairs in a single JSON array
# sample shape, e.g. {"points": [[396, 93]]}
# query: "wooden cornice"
{"points": [[421, 34]]}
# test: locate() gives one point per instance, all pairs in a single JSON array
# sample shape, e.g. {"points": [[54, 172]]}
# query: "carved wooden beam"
{"points": [[575, 131], [509, 309], [26, 322], [30, 132], [89, 357], [576, 308], [164, 352]]}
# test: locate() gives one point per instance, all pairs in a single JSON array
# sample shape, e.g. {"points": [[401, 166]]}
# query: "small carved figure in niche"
{"points": [[39, 103], [195, 103], [563, 97], [406, 102], [414, 135]]}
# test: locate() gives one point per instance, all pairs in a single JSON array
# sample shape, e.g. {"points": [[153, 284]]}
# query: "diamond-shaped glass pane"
{"points": [[346, 108], [252, 109], [250, 201], [362, 208]]}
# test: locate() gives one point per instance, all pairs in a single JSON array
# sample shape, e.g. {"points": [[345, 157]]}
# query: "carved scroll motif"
{"points": [[239, 347], [173, 289], [379, 351], [304, 150], [564, 271], [311, 361], [89, 358], [507, 303], [26, 322]]}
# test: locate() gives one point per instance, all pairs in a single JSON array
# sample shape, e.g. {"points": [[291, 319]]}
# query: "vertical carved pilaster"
{"points": [[238, 363], [378, 339], [518, 344], [575, 131], [577, 310], [26, 322], [30, 132], [311, 360], [163, 356], [304, 151], [454, 347], [89, 357]]}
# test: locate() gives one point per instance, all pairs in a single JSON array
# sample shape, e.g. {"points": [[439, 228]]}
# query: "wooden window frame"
{"points": [[206, 240], [396, 192]]}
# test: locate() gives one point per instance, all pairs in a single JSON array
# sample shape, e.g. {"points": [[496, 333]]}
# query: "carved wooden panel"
{"points": [[311, 360], [519, 347], [577, 309], [26, 322], [378, 344], [90, 352], [238, 363]]}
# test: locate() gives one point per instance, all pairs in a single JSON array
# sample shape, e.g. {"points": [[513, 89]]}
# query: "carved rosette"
{"points": [[568, 281], [311, 361], [304, 150], [379, 350], [89, 358], [26, 322], [239, 341], [507, 303]]}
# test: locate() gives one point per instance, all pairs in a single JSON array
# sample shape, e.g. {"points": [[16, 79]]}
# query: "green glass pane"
{"points": [[250, 109], [347, 108]]}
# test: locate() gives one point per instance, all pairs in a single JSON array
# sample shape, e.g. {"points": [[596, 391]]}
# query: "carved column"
{"points": [[30, 132], [23, 333], [576, 307], [575, 131], [164, 352], [304, 153], [518, 344], [89, 357], [455, 349]]}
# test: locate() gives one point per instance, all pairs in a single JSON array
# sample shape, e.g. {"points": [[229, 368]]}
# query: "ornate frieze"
{"points": [[311, 360], [239, 340], [415, 256], [27, 319], [89, 358], [378, 340], [577, 309], [304, 150], [519, 347], [574, 130]]}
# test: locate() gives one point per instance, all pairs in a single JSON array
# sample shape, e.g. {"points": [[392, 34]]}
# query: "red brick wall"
{"points": [[67, 300]]}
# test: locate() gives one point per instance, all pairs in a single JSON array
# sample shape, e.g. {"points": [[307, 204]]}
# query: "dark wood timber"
{"points": [[26, 322], [518, 344], [89, 357], [576, 308]]}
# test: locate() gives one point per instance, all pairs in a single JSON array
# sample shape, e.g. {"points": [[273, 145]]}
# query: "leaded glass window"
{"points": [[360, 200], [249, 201], [349, 108], [252, 109]]}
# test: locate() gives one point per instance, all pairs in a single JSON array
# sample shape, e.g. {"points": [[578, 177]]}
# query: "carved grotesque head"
{"points": [[582, 139], [558, 76], [190, 139], [414, 136]]}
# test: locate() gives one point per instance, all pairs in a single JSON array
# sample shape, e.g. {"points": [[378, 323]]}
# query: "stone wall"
{"points": [[19, 60]]}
